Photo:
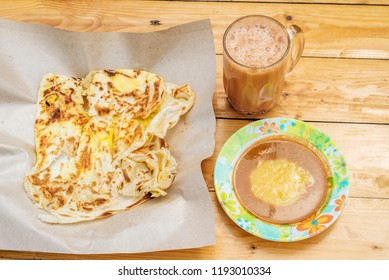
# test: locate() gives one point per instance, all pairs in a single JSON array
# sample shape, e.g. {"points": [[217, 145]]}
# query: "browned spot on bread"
{"points": [[101, 111], [81, 119], [45, 192], [160, 142], [53, 190], [156, 85], [125, 175], [43, 140], [71, 139], [109, 177], [99, 201], [107, 214], [68, 98], [137, 72], [110, 73], [138, 131], [46, 92], [36, 181], [95, 192], [147, 91], [85, 103], [60, 201], [126, 75], [130, 93], [70, 190], [56, 114], [85, 160]]}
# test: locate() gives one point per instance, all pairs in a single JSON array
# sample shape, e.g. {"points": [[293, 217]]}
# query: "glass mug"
{"points": [[258, 53]]}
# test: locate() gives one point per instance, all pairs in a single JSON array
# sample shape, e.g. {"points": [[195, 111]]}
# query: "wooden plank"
{"points": [[352, 31], [339, 90], [346, 239], [369, 167], [359, 2]]}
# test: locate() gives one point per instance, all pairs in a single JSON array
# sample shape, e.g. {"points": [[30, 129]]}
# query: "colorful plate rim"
{"points": [[317, 223]]}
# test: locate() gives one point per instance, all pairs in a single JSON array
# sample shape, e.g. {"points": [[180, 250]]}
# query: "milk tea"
{"points": [[255, 62]]}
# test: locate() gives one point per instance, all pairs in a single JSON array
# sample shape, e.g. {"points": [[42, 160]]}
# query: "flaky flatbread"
{"points": [[99, 143]]}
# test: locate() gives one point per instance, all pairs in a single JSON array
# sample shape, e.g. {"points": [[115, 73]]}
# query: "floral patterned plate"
{"points": [[241, 140]]}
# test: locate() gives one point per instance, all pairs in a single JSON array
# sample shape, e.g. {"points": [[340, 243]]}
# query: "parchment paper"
{"points": [[183, 54]]}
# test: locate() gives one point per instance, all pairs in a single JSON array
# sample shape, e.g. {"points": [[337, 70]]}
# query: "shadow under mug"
{"points": [[255, 90]]}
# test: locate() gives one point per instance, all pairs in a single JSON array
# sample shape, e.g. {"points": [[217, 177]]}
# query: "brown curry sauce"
{"points": [[298, 152]]}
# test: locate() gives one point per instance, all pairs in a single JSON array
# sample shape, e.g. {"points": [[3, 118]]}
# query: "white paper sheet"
{"points": [[183, 54]]}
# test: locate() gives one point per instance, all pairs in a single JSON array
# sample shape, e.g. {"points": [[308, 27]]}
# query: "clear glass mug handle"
{"points": [[297, 43]]}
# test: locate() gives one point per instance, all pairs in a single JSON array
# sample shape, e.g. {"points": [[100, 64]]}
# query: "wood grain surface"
{"points": [[351, 31], [341, 86], [323, 89], [360, 2], [348, 238]]}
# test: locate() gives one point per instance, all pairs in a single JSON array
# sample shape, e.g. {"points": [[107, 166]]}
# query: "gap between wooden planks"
{"points": [[323, 89], [353, 31], [349, 237], [365, 147]]}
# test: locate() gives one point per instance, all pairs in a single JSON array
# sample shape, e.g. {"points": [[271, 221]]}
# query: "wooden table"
{"points": [[341, 85]]}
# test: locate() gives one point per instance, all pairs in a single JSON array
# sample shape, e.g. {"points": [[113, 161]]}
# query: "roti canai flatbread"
{"points": [[99, 143]]}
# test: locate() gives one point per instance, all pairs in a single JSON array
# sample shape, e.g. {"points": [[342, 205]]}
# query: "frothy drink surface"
{"points": [[256, 42]]}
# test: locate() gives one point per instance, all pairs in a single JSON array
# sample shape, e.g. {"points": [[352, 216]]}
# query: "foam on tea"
{"points": [[257, 43], [281, 180]]}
